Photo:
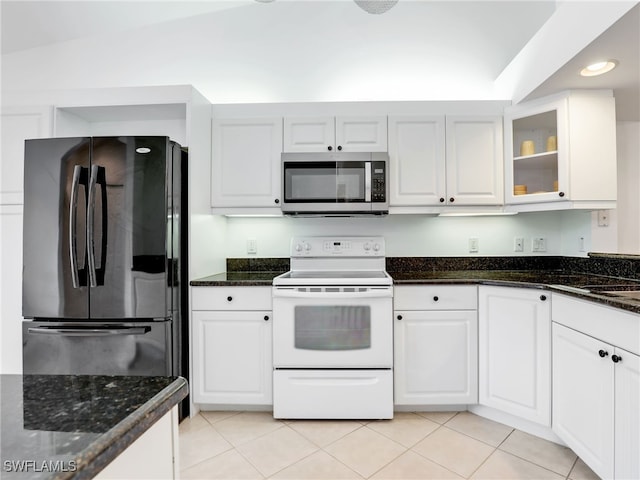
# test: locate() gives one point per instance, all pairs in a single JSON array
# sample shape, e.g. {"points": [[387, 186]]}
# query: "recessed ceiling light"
{"points": [[143, 150], [598, 68]]}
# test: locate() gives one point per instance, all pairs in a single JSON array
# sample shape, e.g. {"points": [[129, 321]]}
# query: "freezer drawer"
{"points": [[65, 348]]}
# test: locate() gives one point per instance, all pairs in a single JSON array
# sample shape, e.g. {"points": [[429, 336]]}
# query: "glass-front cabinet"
{"points": [[561, 151]]}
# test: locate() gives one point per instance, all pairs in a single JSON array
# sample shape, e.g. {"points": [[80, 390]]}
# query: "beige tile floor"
{"points": [[442, 445]]}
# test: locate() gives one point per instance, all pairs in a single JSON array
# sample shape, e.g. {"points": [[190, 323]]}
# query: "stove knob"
{"points": [[376, 247], [307, 246], [298, 247], [367, 247]]}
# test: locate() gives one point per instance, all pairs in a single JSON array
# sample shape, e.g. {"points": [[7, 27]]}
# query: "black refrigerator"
{"points": [[104, 257]]}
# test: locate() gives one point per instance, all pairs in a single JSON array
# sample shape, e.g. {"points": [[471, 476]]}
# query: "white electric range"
{"points": [[333, 331]]}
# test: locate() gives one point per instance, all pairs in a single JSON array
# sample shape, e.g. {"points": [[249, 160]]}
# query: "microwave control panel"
{"points": [[378, 182]]}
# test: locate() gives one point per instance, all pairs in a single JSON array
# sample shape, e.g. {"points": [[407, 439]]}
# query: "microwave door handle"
{"points": [[367, 181]]}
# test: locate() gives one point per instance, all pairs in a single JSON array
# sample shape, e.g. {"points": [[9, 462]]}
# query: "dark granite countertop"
{"points": [[593, 278], [237, 279], [72, 426], [596, 288]]}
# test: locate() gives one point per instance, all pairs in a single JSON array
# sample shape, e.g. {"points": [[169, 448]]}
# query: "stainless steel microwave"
{"points": [[335, 184]]}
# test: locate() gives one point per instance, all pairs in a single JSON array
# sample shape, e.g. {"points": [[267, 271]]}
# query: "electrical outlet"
{"points": [[473, 245], [603, 218], [252, 245], [518, 244], [539, 244]]}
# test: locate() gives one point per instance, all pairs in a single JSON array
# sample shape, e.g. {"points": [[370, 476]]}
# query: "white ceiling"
{"points": [[453, 40]]}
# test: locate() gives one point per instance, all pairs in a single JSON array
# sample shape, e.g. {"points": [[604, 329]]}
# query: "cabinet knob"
{"points": [[616, 358], [435, 298], [603, 353], [266, 318], [441, 199], [229, 298], [399, 317], [277, 200], [339, 147], [561, 194], [329, 148], [543, 297], [451, 200]]}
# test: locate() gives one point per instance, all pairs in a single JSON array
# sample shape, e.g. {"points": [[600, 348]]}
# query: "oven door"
{"points": [[333, 327]]}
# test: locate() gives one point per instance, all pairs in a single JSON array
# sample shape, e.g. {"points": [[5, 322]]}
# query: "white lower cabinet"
{"points": [[515, 352], [596, 398], [435, 336], [154, 455], [232, 359]]}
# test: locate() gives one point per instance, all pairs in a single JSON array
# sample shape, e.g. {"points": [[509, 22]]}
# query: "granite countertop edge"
{"points": [[112, 443], [245, 279]]}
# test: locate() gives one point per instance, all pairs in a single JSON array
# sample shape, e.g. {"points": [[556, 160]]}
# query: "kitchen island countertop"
{"points": [[72, 426]]}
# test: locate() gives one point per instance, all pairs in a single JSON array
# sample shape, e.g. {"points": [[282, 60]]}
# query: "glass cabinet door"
{"points": [[536, 168], [535, 156]]}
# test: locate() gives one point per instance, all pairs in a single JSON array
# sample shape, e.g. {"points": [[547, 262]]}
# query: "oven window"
{"points": [[332, 327]]}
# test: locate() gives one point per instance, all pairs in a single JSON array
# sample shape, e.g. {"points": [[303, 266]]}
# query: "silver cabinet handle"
{"points": [[73, 213], [89, 332]]}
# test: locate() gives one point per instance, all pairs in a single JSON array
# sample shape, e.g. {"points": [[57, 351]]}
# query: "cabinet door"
{"points": [[583, 397], [309, 134], [361, 134], [246, 162], [11, 289], [232, 361], [19, 124], [435, 357], [417, 162], [515, 352], [627, 415], [474, 161], [536, 165]]}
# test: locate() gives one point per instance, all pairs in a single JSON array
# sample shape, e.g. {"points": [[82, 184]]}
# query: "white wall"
{"points": [[628, 212], [419, 235]]}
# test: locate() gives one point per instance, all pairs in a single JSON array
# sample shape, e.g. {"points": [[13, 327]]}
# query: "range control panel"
{"points": [[337, 247]]}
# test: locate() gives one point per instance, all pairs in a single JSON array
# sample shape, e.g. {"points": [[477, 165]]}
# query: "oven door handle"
{"points": [[324, 295]]}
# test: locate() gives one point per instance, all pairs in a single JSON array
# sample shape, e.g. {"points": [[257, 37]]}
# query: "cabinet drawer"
{"points": [[231, 298], [608, 324], [435, 297]]}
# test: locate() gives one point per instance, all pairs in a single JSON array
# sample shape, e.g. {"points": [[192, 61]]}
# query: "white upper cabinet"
{"points": [[445, 161], [331, 134], [474, 160], [246, 162], [19, 124], [417, 164], [561, 150]]}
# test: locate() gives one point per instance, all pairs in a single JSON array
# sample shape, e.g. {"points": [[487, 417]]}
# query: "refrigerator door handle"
{"points": [[89, 332], [97, 177], [73, 212]]}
